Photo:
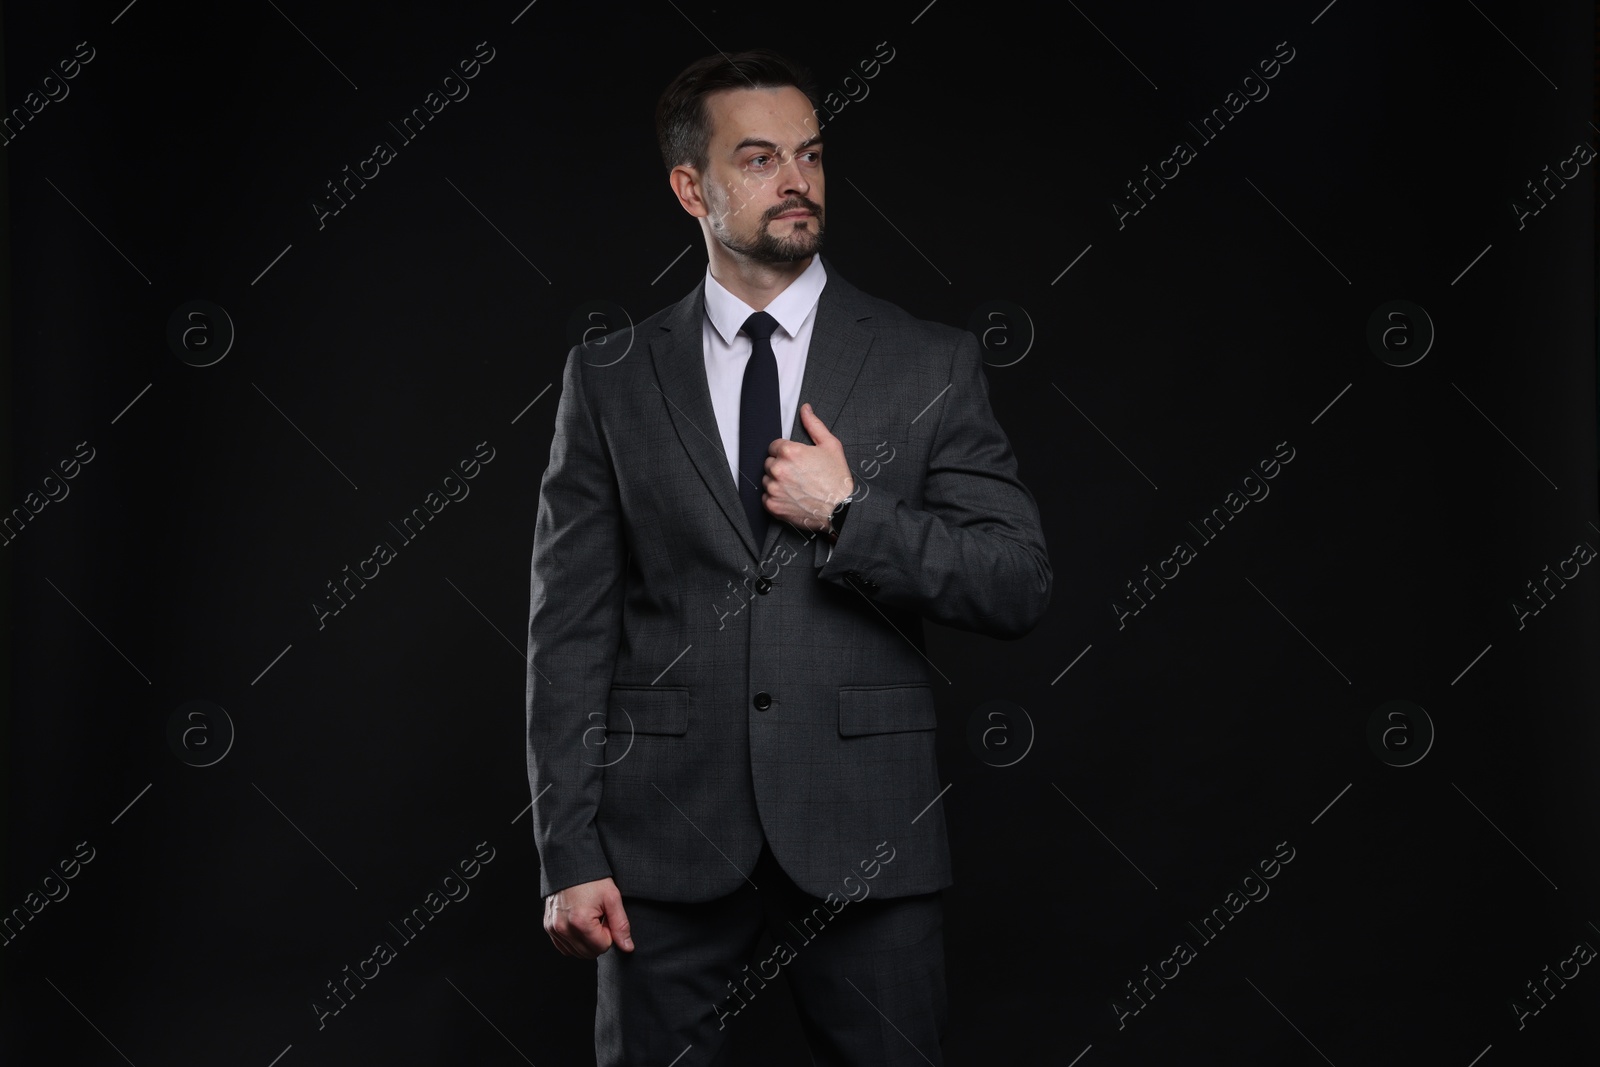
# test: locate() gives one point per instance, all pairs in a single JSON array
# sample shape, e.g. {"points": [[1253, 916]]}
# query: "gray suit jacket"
{"points": [[690, 691]]}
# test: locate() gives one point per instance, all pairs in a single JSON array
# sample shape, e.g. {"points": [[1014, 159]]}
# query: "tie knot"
{"points": [[760, 325]]}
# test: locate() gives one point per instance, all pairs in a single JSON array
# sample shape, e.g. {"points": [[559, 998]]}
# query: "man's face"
{"points": [[763, 187]]}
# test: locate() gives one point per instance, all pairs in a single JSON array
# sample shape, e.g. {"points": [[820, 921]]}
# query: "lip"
{"points": [[798, 215]]}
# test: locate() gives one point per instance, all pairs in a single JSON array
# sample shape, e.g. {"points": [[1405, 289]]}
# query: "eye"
{"points": [[757, 161]]}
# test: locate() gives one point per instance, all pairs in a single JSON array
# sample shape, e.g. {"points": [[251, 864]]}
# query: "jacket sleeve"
{"points": [[574, 625], [973, 556]]}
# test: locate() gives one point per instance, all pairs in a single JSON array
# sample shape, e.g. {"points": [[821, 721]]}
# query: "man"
{"points": [[730, 715]]}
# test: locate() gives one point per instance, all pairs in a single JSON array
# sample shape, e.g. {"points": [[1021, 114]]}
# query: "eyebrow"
{"points": [[771, 146]]}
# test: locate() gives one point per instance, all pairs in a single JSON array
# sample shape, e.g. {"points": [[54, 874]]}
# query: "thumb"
{"points": [[617, 920], [814, 425]]}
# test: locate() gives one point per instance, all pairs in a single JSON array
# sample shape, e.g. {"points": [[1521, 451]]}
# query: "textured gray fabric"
{"points": [[867, 978], [656, 623]]}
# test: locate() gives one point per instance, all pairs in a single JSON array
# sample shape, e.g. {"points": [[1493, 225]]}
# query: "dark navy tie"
{"points": [[759, 418]]}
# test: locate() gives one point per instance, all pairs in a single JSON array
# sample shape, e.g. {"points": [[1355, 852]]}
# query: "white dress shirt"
{"points": [[727, 350]]}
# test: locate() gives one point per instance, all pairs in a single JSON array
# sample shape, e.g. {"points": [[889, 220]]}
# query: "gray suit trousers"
{"points": [[867, 976]]}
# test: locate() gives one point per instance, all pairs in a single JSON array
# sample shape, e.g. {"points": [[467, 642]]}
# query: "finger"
{"points": [[575, 947], [617, 920], [597, 944], [592, 936], [573, 931], [556, 928]]}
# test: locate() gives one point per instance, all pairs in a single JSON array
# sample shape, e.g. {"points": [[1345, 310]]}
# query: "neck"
{"points": [[757, 284]]}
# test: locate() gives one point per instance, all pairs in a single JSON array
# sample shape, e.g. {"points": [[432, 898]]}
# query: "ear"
{"points": [[687, 186]]}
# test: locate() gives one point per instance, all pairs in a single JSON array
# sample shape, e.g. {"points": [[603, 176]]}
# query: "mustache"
{"points": [[796, 205]]}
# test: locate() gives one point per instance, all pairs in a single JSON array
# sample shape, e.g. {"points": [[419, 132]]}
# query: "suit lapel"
{"points": [[679, 354], [839, 343]]}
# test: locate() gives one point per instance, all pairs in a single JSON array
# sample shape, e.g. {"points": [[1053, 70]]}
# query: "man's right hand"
{"points": [[586, 920]]}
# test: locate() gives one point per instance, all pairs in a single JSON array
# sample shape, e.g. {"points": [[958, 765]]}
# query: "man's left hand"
{"points": [[804, 483]]}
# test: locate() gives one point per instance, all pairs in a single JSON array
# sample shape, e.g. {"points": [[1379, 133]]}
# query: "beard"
{"points": [[768, 247]]}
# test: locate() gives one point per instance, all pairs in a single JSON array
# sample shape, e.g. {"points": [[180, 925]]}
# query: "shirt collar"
{"points": [[790, 307]]}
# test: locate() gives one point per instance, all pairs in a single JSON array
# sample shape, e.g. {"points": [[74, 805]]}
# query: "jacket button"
{"points": [[762, 585], [763, 701]]}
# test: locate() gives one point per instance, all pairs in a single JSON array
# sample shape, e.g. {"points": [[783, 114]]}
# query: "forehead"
{"points": [[781, 115]]}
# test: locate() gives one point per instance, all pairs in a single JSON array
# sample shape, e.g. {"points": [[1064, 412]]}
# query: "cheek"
{"points": [[731, 196], [741, 215], [719, 204]]}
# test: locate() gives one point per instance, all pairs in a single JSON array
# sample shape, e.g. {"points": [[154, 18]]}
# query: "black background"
{"points": [[1177, 352]]}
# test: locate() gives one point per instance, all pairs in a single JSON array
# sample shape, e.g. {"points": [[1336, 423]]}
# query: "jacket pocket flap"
{"points": [[648, 709], [882, 709]]}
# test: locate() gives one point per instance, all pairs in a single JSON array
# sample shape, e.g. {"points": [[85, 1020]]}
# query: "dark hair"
{"points": [[683, 123]]}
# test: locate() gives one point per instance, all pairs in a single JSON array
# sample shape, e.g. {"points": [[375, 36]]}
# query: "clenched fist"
{"points": [[803, 483], [586, 920]]}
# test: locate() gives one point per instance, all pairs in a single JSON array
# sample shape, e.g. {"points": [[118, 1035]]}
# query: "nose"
{"points": [[791, 179]]}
